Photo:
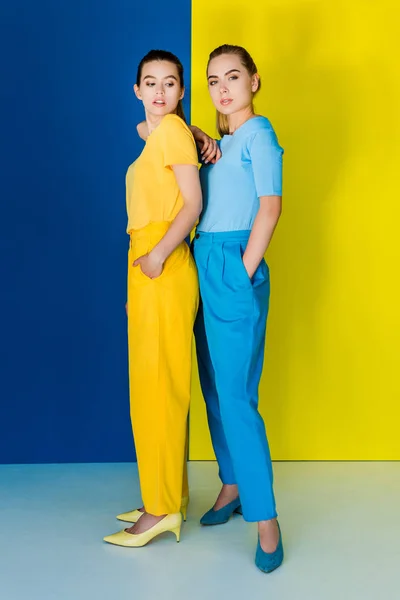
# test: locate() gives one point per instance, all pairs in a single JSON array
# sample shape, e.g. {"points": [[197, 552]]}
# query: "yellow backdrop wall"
{"points": [[331, 385]]}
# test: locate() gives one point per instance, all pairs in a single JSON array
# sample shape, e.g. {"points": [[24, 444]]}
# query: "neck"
{"points": [[152, 121], [238, 118]]}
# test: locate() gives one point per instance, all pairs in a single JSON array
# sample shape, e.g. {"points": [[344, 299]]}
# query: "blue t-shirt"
{"points": [[250, 167]]}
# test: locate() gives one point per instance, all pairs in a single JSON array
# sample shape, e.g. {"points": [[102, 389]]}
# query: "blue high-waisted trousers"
{"points": [[230, 338]]}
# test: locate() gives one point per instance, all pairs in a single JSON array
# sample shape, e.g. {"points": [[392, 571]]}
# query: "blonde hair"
{"points": [[249, 65]]}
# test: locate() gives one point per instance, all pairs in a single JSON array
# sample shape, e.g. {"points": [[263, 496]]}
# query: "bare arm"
{"points": [[188, 180], [262, 232]]}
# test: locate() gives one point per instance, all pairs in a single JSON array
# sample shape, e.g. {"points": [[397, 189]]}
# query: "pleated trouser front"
{"points": [[161, 315], [230, 338]]}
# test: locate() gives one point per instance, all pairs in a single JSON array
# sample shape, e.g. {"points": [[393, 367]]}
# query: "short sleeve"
{"points": [[266, 160], [177, 141]]}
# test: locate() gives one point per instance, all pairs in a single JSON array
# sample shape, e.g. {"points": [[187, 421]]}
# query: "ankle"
{"points": [[229, 492], [268, 530], [269, 535], [267, 525]]}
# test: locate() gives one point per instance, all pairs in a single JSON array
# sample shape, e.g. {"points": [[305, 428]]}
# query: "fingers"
{"points": [[210, 154], [148, 269], [213, 154], [205, 147], [138, 261], [217, 156]]}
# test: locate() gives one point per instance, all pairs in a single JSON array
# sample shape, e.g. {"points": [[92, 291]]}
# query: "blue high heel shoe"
{"points": [[218, 517], [269, 561]]}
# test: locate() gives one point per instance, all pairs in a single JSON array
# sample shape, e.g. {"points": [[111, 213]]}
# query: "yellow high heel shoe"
{"points": [[170, 523], [133, 516], [184, 506]]}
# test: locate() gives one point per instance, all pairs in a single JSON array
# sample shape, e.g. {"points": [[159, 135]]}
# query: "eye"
{"points": [[213, 82], [233, 77], [150, 84], [170, 84]]}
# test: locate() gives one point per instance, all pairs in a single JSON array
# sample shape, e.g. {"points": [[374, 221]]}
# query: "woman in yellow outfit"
{"points": [[163, 204]]}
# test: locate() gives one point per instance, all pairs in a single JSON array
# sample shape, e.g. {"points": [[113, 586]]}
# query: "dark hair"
{"points": [[247, 62], [169, 57]]}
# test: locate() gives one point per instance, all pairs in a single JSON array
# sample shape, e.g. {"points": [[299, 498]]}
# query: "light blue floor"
{"points": [[340, 521]]}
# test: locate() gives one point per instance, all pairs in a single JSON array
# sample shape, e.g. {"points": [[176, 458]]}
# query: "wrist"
{"points": [[197, 134], [157, 256]]}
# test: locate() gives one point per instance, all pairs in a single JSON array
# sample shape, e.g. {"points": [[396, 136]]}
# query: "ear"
{"points": [[137, 92], [255, 83], [182, 94]]}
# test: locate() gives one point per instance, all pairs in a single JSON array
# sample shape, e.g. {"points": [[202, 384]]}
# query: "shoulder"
{"points": [[262, 133], [143, 130], [173, 123]]}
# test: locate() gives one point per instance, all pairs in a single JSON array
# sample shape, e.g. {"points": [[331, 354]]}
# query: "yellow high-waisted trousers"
{"points": [[161, 314]]}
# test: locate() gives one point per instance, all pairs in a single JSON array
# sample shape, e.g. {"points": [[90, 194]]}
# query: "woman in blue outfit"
{"points": [[242, 204]]}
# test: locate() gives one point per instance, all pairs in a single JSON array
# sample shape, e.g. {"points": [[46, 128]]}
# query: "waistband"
{"points": [[222, 236], [154, 228]]}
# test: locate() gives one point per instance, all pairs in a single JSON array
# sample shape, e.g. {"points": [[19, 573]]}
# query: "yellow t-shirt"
{"points": [[152, 192]]}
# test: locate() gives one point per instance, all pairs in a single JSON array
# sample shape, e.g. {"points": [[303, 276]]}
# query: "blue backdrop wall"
{"points": [[67, 136]]}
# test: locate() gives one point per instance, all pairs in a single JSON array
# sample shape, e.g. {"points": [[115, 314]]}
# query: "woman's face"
{"points": [[230, 85], [160, 89]]}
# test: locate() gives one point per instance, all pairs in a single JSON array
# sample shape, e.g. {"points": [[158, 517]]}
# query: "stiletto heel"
{"points": [[184, 507], [177, 532]]}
